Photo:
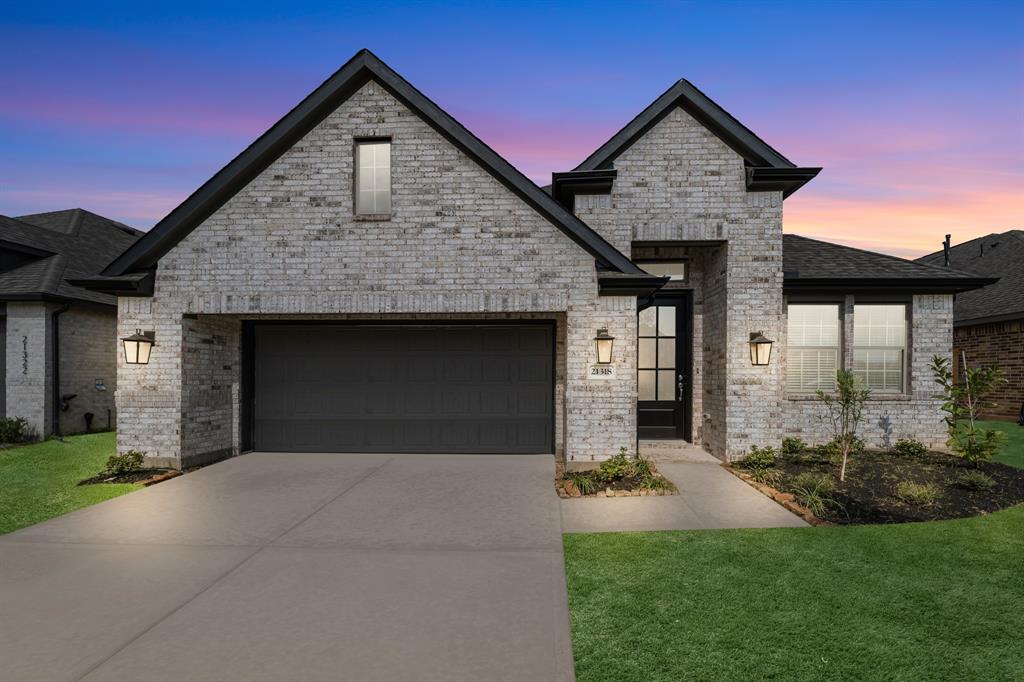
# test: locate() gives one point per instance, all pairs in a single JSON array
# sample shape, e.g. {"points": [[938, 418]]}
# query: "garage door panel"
{"points": [[389, 388]]}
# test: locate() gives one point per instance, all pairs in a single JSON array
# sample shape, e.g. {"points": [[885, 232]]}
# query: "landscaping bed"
{"points": [[623, 475], [886, 486], [145, 477]]}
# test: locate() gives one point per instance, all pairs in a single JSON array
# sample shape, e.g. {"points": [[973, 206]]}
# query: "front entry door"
{"points": [[663, 380]]}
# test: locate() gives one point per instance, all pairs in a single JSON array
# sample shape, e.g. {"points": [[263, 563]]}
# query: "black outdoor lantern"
{"points": [[138, 346], [760, 349], [604, 342]]}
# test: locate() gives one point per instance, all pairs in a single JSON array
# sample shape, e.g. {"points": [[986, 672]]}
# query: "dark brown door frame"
{"points": [[683, 407]]}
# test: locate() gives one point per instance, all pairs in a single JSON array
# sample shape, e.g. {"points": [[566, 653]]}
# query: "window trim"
{"points": [[840, 346], [906, 348], [371, 139]]}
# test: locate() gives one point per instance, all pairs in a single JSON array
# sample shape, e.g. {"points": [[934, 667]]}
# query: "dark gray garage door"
{"points": [[398, 388]]}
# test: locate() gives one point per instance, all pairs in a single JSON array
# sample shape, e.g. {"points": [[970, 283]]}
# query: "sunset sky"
{"points": [[915, 110]]}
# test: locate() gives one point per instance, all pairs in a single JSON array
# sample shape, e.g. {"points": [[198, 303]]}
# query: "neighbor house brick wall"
{"points": [[88, 355], [999, 343], [30, 364], [679, 183], [458, 243], [916, 414]]}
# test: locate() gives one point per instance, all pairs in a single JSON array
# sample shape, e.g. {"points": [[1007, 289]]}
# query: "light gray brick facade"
{"points": [[458, 244]]}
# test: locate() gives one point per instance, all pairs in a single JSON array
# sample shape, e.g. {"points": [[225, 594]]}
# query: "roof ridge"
{"points": [[310, 112], [929, 266]]}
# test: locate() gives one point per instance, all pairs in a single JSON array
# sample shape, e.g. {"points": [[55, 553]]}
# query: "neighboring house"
{"points": [[369, 276], [988, 324], [59, 362]]}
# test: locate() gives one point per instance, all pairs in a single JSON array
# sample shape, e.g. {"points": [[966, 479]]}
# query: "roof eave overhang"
{"points": [[785, 180], [119, 286], [632, 285], [990, 319], [565, 186], [917, 285]]}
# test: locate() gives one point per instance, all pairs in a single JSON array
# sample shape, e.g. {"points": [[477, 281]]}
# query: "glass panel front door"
{"points": [[662, 329]]}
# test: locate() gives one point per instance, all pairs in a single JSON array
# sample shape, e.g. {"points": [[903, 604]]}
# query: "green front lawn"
{"points": [[938, 600], [38, 481], [1013, 452]]}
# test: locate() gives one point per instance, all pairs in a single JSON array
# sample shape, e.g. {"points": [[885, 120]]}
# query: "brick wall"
{"points": [[679, 182], [1000, 343], [29, 364], [917, 413], [88, 354], [458, 244]]}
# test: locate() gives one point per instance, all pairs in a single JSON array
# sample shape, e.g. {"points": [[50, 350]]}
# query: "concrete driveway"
{"points": [[299, 567]]}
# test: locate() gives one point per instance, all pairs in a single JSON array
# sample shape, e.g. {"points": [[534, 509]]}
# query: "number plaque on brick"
{"points": [[598, 372]]}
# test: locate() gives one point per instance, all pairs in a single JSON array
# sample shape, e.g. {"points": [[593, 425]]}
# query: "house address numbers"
{"points": [[599, 372]]}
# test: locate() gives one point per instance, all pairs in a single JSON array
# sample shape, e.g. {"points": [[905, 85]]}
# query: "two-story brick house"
{"points": [[369, 276]]}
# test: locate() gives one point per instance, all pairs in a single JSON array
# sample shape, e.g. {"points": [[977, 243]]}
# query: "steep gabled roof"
{"points": [[813, 265], [363, 67], [767, 168], [71, 244], [996, 255]]}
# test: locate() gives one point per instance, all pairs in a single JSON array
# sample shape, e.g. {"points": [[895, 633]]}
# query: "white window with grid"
{"points": [[812, 347], [880, 346], [373, 177]]}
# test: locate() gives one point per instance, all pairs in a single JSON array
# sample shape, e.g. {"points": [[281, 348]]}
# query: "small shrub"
{"points": [[638, 467], [919, 494], [614, 468], [833, 449], [908, 447], [654, 482], [792, 448], [584, 481], [758, 458], [13, 430], [770, 477], [974, 480], [124, 463], [813, 491]]}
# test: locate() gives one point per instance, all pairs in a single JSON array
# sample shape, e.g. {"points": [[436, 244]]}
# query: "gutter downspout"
{"points": [[55, 353]]}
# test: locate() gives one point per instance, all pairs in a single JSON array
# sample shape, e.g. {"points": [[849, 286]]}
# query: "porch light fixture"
{"points": [[138, 346], [604, 342], [760, 349]]}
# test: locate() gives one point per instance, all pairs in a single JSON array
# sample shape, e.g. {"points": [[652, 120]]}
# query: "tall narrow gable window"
{"points": [[373, 177], [812, 356], [880, 346]]}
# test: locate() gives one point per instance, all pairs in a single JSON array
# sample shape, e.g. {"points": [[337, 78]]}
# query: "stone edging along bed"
{"points": [[787, 500]]}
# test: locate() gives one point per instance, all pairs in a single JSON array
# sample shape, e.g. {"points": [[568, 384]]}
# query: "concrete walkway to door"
{"points": [[709, 497], [299, 567]]}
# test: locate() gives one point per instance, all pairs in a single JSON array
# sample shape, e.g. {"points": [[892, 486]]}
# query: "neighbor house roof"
{"points": [[996, 255], [814, 265], [62, 245], [767, 169], [363, 67]]}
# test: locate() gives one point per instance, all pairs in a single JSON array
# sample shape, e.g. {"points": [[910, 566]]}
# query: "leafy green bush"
{"points": [[614, 468], [813, 491], [920, 494], [124, 463], [908, 447], [974, 480], [963, 401], [654, 482], [13, 430], [758, 458], [833, 448], [792, 448]]}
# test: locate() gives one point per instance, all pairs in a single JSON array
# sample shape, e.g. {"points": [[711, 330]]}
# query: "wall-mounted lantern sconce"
{"points": [[760, 349], [604, 342], [138, 346]]}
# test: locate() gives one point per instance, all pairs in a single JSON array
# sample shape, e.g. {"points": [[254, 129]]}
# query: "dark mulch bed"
{"points": [[869, 493], [143, 476]]}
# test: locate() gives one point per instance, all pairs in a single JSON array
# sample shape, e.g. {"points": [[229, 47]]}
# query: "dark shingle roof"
{"points": [[814, 264], [69, 244], [996, 255]]}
